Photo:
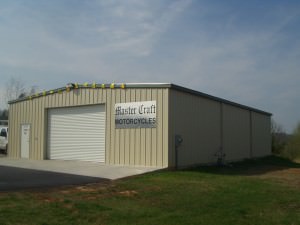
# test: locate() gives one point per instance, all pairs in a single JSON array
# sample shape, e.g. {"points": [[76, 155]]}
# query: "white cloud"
{"points": [[131, 28]]}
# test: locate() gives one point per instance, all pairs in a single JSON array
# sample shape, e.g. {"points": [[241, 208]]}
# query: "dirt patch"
{"points": [[283, 175]]}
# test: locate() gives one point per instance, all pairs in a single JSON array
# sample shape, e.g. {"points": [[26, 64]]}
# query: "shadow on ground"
{"points": [[13, 179], [252, 167]]}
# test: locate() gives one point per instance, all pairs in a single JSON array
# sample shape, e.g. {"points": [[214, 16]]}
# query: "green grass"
{"points": [[236, 194]]}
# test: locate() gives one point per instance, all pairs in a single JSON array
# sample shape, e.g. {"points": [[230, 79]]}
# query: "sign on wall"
{"points": [[135, 114]]}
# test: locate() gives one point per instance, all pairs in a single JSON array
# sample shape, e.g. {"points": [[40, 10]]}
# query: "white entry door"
{"points": [[25, 138]]}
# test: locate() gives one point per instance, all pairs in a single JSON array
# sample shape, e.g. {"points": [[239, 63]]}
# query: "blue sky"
{"points": [[244, 51]]}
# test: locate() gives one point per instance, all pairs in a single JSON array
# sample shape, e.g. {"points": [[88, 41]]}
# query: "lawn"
{"points": [[265, 191]]}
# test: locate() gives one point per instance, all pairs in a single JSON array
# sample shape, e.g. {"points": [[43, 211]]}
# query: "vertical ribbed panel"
{"points": [[77, 133], [197, 120], [261, 135], [236, 132], [136, 146]]}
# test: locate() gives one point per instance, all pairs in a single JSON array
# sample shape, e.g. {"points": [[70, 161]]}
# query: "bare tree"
{"points": [[279, 137], [292, 149], [15, 88], [3, 115], [275, 127], [33, 89]]}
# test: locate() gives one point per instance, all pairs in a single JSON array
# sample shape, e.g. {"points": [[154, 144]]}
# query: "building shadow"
{"points": [[249, 167]]}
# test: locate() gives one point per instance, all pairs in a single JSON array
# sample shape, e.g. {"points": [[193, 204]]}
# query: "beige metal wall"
{"points": [[261, 135], [207, 125], [141, 146], [197, 120], [236, 132]]}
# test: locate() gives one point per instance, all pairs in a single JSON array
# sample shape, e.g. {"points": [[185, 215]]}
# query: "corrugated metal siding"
{"points": [[261, 136], [207, 125], [236, 133], [197, 120], [142, 146]]}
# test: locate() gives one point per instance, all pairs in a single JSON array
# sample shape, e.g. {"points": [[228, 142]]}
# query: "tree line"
{"points": [[4, 114], [14, 89], [283, 144]]}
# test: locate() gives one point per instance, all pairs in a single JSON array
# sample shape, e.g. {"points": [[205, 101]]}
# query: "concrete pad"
{"points": [[90, 169]]}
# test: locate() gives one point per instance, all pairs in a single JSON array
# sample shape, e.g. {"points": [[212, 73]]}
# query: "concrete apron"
{"points": [[90, 169]]}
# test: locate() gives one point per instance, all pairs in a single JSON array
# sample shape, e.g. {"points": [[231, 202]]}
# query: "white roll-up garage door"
{"points": [[77, 133]]}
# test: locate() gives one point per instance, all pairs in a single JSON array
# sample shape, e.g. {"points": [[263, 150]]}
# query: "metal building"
{"points": [[159, 125]]}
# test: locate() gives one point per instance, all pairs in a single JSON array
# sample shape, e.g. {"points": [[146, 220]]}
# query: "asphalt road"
{"points": [[12, 179]]}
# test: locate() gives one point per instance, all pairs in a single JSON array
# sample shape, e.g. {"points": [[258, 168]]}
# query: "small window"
{"points": [[3, 133]]}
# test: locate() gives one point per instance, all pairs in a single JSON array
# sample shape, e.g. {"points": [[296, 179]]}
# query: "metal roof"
{"points": [[145, 85]]}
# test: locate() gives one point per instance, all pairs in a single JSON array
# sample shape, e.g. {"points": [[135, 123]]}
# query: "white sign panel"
{"points": [[135, 114]]}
